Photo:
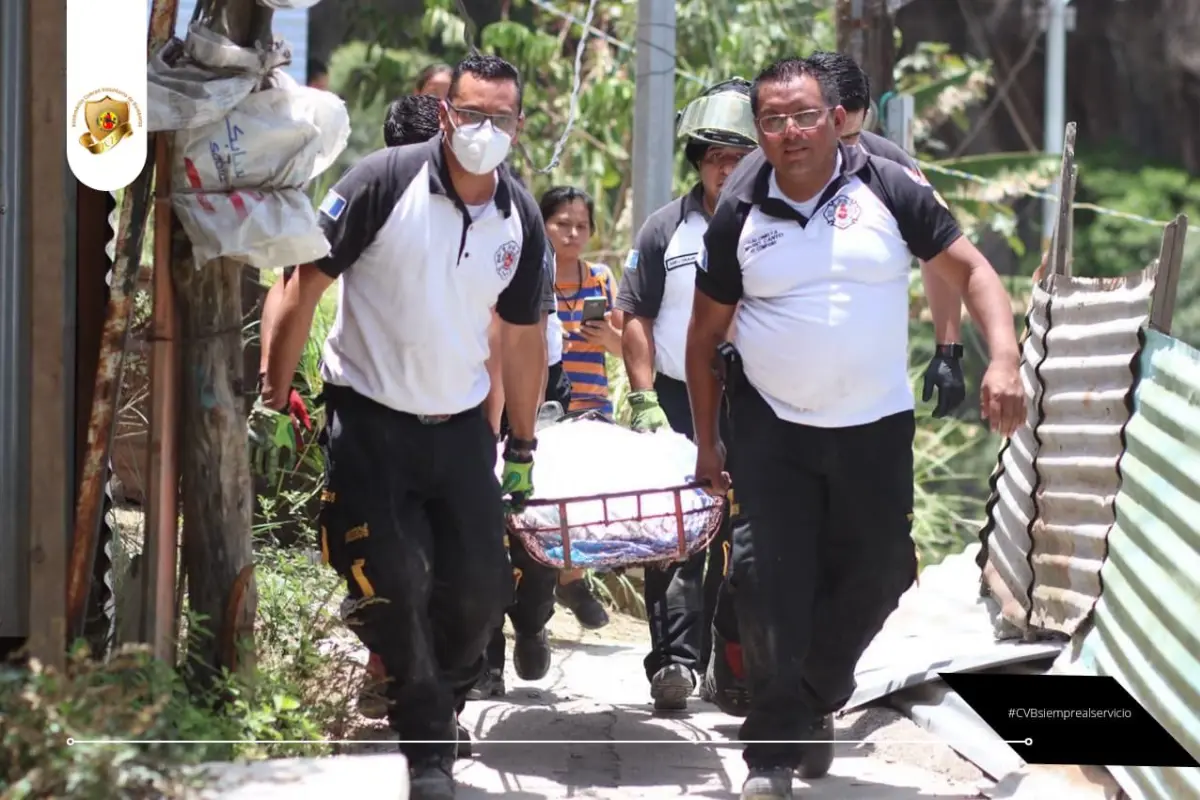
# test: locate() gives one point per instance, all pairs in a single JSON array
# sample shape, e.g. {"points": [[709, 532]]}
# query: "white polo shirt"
{"points": [[822, 319], [419, 278], [659, 279]]}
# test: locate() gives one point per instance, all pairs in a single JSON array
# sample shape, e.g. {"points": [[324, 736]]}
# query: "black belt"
{"points": [[335, 393]]}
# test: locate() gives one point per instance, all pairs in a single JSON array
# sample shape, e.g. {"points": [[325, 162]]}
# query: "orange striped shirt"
{"points": [[582, 361]]}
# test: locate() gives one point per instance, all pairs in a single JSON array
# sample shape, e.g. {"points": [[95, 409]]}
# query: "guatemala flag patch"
{"points": [[333, 205], [631, 261]]}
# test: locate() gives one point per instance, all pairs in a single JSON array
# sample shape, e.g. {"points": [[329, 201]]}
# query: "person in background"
{"points": [[944, 372], [434, 80], [656, 295], [570, 216], [811, 254], [318, 74]]}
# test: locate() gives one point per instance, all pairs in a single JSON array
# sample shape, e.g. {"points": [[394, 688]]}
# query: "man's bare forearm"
{"points": [[524, 376], [289, 332], [637, 350], [991, 308], [945, 306], [493, 404], [269, 312], [704, 390]]}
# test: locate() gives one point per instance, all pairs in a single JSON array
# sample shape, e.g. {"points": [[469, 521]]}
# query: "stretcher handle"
{"points": [[612, 495]]}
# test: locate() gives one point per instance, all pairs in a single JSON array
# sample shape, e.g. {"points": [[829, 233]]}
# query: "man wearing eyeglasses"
{"points": [[810, 254], [656, 292], [426, 240], [725, 680]]}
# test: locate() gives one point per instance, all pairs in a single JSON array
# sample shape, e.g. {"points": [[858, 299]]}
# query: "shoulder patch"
{"points": [[631, 261], [333, 205], [917, 176]]}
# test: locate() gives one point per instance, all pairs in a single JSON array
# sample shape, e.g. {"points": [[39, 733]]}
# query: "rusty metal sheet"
{"points": [[1144, 630], [1007, 573], [1087, 382]]}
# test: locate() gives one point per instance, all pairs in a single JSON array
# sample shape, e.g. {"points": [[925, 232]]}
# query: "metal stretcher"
{"points": [[683, 522]]}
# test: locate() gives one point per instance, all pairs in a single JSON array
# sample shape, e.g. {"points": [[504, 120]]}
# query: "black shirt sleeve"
{"points": [[523, 300], [884, 148], [644, 277], [358, 205], [719, 274], [922, 215]]}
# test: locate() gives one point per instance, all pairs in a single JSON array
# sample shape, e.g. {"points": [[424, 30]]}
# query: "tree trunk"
{"points": [[217, 499], [864, 32]]}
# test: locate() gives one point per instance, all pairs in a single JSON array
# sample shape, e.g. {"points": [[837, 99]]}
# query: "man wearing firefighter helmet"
{"points": [[656, 292]]}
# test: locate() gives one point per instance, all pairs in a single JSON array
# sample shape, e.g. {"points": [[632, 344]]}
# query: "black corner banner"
{"points": [[1070, 719]]}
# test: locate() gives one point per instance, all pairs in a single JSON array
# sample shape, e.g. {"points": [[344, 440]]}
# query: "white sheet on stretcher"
{"points": [[585, 458]]}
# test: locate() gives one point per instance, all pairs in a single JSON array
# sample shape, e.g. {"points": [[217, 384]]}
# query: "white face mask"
{"points": [[480, 148]]}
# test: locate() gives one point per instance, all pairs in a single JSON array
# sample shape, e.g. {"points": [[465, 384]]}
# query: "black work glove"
{"points": [[945, 372]]}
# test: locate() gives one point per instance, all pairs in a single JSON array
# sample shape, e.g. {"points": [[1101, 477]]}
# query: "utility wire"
{"points": [[589, 30]]}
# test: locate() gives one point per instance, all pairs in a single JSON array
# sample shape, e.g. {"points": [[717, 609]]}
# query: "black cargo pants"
{"points": [[411, 518], [828, 517], [681, 598]]}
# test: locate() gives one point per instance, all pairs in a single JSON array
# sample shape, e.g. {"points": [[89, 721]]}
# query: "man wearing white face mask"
{"points": [[426, 241]]}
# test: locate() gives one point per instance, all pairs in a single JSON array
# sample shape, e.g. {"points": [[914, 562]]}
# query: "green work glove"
{"points": [[272, 437], [516, 480], [648, 415]]}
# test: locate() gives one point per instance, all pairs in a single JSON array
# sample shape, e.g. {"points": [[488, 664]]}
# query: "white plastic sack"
{"points": [[587, 458], [237, 183], [198, 81], [266, 231]]}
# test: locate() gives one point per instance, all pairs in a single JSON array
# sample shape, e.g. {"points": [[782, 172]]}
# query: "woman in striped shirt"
{"points": [[569, 214], [570, 221]]}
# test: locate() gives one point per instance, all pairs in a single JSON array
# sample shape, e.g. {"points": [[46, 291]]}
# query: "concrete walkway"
{"points": [[589, 730]]}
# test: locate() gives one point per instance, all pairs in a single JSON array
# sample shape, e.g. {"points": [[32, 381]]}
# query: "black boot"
{"points": [[464, 742], [531, 655], [818, 758], [491, 684], [579, 600], [724, 683], [431, 778]]}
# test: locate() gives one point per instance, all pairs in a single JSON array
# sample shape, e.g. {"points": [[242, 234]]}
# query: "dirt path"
{"points": [[588, 730]]}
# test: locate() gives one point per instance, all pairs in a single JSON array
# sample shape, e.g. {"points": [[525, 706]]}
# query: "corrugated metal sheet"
{"points": [[14, 323], [1087, 381], [290, 25], [941, 625], [1007, 574], [1145, 632]]}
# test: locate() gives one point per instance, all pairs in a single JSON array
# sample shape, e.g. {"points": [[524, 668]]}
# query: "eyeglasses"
{"points": [[805, 120], [468, 118], [719, 158]]}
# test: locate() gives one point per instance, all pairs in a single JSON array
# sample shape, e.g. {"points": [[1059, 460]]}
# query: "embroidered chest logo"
{"points": [[756, 244], [686, 260], [506, 259], [842, 212]]}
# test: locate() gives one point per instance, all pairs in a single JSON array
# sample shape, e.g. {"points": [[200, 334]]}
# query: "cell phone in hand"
{"points": [[594, 309]]}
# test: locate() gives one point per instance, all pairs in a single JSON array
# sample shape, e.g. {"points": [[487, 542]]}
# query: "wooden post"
{"points": [[865, 33], [1060, 244], [49, 473], [217, 498], [1170, 260]]}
